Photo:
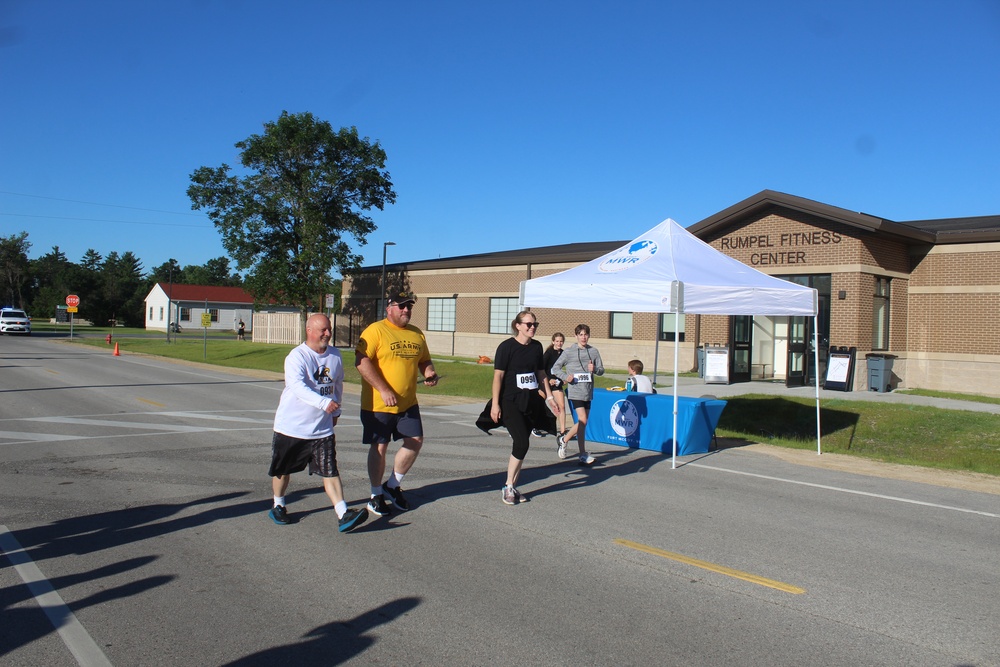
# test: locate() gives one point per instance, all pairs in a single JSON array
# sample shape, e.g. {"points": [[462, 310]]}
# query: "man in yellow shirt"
{"points": [[389, 355]]}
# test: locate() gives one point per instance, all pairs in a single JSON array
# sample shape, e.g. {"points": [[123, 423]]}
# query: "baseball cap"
{"points": [[401, 297]]}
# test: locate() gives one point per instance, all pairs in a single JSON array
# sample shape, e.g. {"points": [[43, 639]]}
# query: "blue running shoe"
{"points": [[352, 519], [279, 515]]}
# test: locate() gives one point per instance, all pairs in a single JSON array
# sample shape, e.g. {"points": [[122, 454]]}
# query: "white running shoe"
{"points": [[561, 446], [586, 459]]}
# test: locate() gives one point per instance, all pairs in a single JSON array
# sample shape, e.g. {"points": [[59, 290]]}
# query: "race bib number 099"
{"points": [[527, 381]]}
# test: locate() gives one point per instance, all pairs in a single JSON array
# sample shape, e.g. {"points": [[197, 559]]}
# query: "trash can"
{"points": [[701, 362], [879, 372]]}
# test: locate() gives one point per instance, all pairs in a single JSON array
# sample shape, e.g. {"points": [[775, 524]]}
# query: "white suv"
{"points": [[13, 320]]}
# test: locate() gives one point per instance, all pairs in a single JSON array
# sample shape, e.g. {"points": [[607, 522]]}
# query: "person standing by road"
{"points": [[388, 356], [577, 366], [518, 375], [307, 412]]}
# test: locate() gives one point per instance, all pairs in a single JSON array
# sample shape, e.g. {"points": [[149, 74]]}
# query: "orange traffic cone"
{"points": [[117, 353]]}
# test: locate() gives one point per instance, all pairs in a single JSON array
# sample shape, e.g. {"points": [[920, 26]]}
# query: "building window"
{"points": [[151, 314], [503, 310], [667, 326], [161, 313], [185, 314], [880, 315], [441, 314], [214, 313], [621, 325]]}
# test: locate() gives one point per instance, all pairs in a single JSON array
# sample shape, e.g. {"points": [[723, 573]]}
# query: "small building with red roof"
{"points": [[185, 304]]}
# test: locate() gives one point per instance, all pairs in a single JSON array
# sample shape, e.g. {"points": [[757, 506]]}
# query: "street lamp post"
{"points": [[381, 300], [170, 297]]}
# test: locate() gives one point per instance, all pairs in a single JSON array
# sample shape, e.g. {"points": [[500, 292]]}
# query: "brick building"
{"points": [[925, 292]]}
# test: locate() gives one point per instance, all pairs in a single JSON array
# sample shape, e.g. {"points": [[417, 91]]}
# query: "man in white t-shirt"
{"points": [[303, 424]]}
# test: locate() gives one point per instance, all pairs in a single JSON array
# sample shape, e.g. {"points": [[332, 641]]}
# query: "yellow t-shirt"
{"points": [[398, 353]]}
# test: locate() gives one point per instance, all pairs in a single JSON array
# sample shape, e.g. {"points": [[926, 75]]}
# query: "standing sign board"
{"points": [[716, 365], [840, 369]]}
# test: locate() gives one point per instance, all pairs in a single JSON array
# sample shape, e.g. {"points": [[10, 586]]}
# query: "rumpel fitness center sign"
{"points": [[786, 253]]}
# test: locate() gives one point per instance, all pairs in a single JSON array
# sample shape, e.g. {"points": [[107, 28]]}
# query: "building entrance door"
{"points": [[740, 344], [798, 350]]}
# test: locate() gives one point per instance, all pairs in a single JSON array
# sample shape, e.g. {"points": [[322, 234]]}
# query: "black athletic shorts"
{"points": [[385, 426], [290, 455]]}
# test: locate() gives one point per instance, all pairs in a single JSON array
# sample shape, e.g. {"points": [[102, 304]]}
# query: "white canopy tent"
{"points": [[669, 270]]}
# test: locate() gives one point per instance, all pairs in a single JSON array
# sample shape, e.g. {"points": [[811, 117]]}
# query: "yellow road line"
{"points": [[159, 405], [720, 569]]}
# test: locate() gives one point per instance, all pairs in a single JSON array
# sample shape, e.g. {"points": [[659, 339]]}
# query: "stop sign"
{"points": [[73, 301]]}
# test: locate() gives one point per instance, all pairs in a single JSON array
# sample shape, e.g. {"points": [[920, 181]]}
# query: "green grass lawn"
{"points": [[908, 434]]}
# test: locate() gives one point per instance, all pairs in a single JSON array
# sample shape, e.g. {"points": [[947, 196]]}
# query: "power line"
{"points": [[121, 222], [91, 203]]}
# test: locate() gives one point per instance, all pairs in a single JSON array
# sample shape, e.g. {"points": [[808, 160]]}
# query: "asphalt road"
{"points": [[133, 519]]}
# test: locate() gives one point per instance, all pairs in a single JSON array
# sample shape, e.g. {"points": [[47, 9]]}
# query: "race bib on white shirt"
{"points": [[583, 378], [527, 381]]}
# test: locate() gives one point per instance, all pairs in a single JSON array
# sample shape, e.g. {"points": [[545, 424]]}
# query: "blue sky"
{"points": [[507, 124]]}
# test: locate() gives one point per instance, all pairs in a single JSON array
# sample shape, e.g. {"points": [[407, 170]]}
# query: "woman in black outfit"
{"points": [[518, 375]]}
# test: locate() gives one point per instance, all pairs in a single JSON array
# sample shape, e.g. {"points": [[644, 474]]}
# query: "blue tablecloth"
{"points": [[645, 421]]}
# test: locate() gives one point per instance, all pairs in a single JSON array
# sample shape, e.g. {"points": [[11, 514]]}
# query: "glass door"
{"points": [[740, 344], [798, 351]]}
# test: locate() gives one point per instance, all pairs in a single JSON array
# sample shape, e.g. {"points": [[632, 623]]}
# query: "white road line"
{"points": [[242, 420], [169, 428], [71, 631], [843, 490], [38, 437], [108, 436], [214, 417]]}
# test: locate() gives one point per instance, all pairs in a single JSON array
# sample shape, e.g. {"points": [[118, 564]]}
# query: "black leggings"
{"points": [[518, 426]]}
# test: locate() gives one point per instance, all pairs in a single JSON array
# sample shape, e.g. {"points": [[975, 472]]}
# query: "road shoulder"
{"points": [[967, 481]]}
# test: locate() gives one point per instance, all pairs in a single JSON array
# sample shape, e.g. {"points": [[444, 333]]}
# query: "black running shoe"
{"points": [[279, 515], [378, 506], [397, 497], [352, 519]]}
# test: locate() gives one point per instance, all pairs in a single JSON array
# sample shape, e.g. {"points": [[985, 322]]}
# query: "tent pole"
{"points": [[819, 449], [673, 463], [656, 351]]}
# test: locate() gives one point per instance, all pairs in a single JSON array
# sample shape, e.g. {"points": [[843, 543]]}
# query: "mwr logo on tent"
{"points": [[624, 418], [626, 258]]}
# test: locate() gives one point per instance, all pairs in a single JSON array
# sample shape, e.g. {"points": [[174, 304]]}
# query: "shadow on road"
{"points": [[333, 643], [93, 533], [559, 475]]}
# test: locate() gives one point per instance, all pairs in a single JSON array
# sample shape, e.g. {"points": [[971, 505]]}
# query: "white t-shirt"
{"points": [[639, 383], [312, 381]]}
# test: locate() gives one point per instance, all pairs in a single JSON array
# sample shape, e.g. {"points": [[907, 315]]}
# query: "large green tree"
{"points": [[168, 273], [54, 277], [284, 222], [122, 290], [14, 269], [213, 272]]}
